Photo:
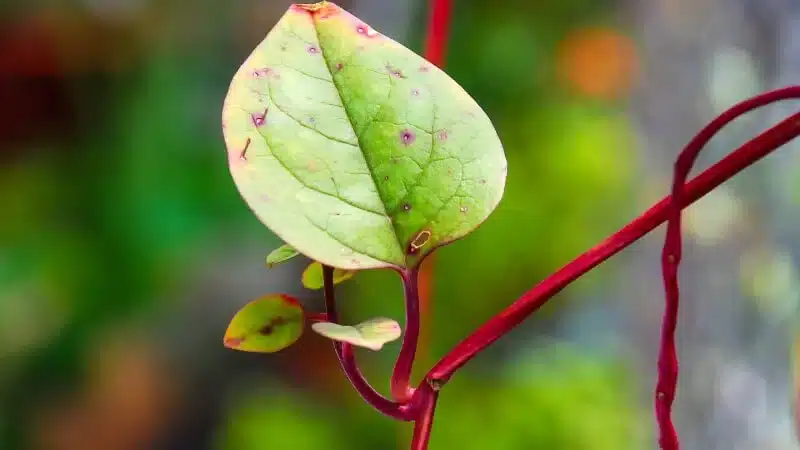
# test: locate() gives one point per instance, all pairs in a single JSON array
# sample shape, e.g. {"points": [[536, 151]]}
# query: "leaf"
{"points": [[266, 325], [354, 150], [280, 255], [371, 334], [312, 276]]}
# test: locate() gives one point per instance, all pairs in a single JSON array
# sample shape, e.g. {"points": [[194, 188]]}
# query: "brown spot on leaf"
{"points": [[339, 67], [463, 209], [324, 9], [269, 328], [419, 241], [415, 92], [406, 207], [394, 71], [425, 69], [243, 154]]}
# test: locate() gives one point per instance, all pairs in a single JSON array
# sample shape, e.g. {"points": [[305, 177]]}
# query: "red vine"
{"points": [[671, 258], [438, 31], [419, 404]]}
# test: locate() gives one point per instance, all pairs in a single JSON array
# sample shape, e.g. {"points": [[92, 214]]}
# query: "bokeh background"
{"points": [[125, 248]]}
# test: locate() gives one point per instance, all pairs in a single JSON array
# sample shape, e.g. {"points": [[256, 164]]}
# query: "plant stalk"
{"points": [[438, 31], [424, 421], [533, 299], [347, 360], [401, 376], [668, 369]]}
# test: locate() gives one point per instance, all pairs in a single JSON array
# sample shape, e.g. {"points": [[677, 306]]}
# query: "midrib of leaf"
{"points": [[361, 146]]}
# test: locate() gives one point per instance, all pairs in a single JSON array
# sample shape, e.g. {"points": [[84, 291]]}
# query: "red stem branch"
{"points": [[347, 359], [666, 385], [438, 31], [401, 376], [530, 301], [424, 421]]}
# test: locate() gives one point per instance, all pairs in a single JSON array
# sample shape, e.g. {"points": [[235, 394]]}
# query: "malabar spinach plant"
{"points": [[362, 155]]}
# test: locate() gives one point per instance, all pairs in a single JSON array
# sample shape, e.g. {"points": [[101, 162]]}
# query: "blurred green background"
{"points": [[125, 248]]}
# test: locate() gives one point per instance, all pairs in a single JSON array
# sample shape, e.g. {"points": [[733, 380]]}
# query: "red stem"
{"points": [[347, 359], [438, 31], [317, 317], [530, 301], [666, 385], [401, 376], [424, 421]]}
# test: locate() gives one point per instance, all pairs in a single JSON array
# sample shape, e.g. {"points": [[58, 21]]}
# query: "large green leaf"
{"points": [[353, 149], [266, 325]]}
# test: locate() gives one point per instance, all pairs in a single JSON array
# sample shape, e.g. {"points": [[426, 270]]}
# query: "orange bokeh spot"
{"points": [[597, 62]]}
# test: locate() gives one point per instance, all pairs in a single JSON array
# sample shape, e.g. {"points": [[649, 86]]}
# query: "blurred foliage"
{"points": [[112, 220], [563, 400]]}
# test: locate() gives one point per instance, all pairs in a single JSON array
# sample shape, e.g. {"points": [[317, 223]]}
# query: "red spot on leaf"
{"points": [[442, 135], [263, 72], [408, 137], [260, 119], [365, 30], [313, 50]]}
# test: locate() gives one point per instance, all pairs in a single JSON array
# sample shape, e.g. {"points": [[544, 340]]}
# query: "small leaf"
{"points": [[371, 334], [266, 325], [280, 255], [312, 276]]}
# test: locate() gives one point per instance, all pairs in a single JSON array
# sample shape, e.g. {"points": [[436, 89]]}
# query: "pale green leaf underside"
{"points": [[353, 149], [312, 276], [371, 334], [280, 255]]}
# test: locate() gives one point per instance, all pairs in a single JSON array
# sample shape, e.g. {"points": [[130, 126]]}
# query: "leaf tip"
{"points": [[232, 342], [323, 9]]}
